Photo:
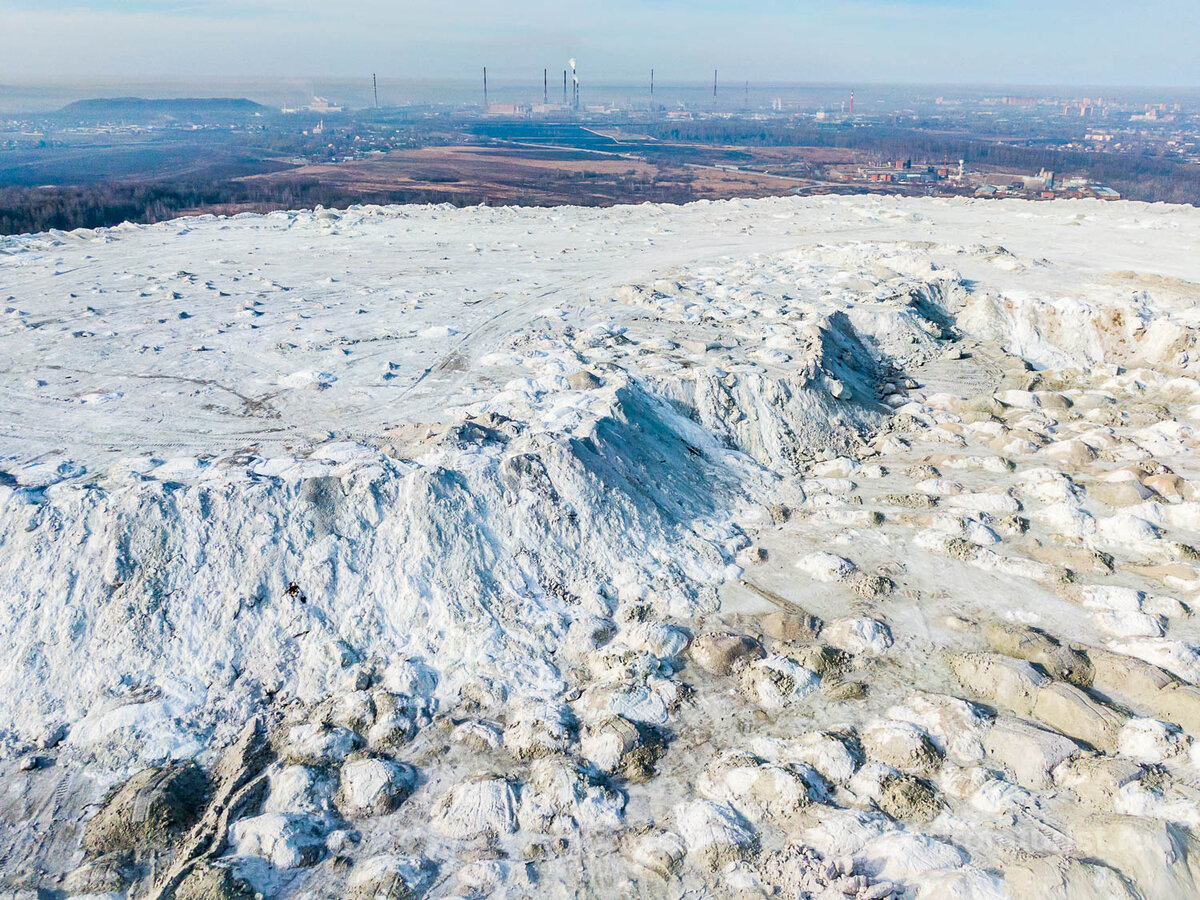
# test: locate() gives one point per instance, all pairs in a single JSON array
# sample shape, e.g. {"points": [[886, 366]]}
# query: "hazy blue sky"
{"points": [[1112, 42]]}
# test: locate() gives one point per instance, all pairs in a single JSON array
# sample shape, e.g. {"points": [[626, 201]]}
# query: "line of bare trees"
{"points": [[26, 210]]}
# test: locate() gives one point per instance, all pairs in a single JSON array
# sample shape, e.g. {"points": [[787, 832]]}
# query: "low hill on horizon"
{"points": [[142, 108]]}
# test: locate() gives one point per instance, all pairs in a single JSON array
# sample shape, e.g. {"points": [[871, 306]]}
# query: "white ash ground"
{"points": [[837, 547]]}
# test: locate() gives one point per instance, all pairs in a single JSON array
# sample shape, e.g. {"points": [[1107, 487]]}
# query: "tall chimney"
{"points": [[714, 84], [486, 105], [545, 87], [375, 82]]}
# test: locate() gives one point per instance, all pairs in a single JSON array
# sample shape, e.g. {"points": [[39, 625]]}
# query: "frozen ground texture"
{"points": [[831, 547]]}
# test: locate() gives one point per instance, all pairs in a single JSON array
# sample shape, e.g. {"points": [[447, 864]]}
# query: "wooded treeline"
{"points": [[30, 210], [24, 210]]}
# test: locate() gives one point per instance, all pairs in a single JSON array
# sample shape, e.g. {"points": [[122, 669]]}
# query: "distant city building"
{"points": [[318, 105]]}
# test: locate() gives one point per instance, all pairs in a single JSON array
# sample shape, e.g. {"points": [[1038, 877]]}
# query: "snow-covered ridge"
{"points": [[199, 586], [508, 464]]}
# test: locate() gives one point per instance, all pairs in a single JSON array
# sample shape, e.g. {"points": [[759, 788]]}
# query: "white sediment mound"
{"points": [[837, 546]]}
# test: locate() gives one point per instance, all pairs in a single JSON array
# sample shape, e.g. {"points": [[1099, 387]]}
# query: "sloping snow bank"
{"points": [[157, 605], [152, 606]]}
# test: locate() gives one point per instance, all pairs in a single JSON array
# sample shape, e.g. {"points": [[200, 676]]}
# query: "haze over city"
{"points": [[1105, 42]]}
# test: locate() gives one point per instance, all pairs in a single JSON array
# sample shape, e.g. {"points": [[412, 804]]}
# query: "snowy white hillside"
{"points": [[838, 545]]}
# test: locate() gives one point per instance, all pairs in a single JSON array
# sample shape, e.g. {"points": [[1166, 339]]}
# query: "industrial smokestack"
{"points": [[375, 82], [486, 106], [564, 87], [714, 84], [852, 103], [574, 85], [651, 84], [545, 87]]}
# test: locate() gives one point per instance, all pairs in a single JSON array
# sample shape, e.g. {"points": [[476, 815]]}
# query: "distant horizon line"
{"points": [[500, 79]]}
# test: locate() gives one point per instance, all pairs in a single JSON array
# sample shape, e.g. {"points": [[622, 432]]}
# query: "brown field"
{"points": [[540, 176]]}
